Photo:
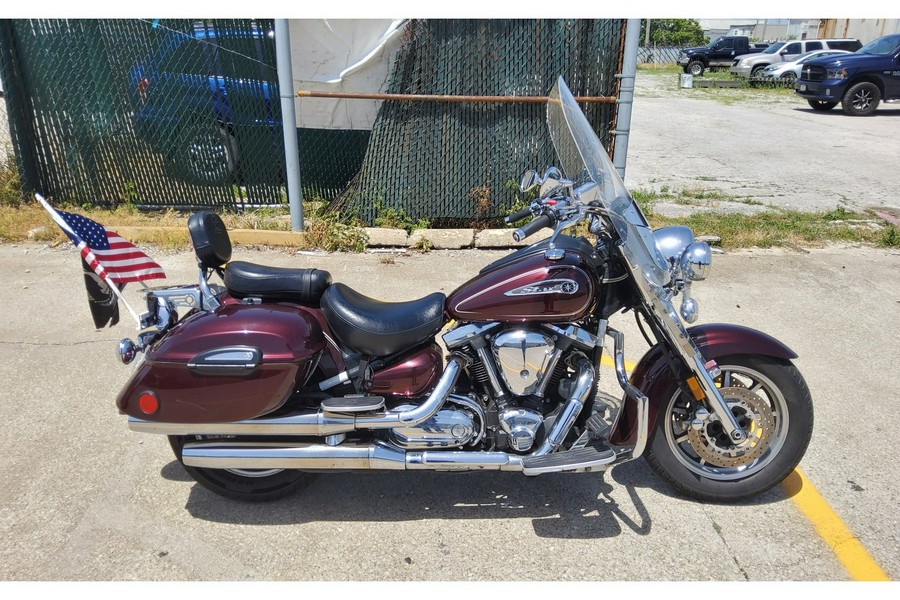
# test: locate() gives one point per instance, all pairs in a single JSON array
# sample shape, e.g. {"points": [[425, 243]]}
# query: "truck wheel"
{"points": [[861, 99], [822, 105], [696, 68], [757, 70]]}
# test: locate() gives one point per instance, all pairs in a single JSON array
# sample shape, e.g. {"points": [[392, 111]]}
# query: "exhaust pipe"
{"points": [[248, 455], [321, 423]]}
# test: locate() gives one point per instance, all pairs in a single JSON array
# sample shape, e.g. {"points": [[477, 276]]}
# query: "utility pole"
{"points": [[626, 94], [289, 122]]}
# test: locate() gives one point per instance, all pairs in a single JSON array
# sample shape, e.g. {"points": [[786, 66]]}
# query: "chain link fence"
{"points": [[186, 114], [172, 113], [658, 55], [456, 163]]}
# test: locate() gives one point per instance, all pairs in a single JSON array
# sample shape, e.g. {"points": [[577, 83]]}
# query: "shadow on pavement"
{"points": [[571, 506]]}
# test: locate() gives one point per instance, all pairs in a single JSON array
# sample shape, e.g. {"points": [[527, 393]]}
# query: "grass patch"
{"points": [[10, 187], [334, 231], [781, 228]]}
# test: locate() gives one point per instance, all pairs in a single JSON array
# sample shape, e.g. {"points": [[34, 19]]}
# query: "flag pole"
{"points": [[65, 227]]}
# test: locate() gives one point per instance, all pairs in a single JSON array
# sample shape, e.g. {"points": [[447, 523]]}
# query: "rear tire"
{"points": [[245, 485], [770, 397], [821, 105]]}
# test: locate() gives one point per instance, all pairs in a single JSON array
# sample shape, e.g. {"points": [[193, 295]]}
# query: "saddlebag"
{"points": [[238, 362]]}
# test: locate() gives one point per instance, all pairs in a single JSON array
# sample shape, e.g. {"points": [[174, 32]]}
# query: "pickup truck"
{"points": [[718, 53], [858, 81]]}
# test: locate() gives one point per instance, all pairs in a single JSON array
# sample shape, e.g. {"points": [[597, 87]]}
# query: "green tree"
{"points": [[673, 32]]}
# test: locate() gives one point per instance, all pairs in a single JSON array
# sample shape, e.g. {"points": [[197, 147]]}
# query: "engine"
{"points": [[452, 426], [524, 358]]}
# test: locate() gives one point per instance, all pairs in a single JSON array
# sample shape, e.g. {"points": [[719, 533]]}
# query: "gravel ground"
{"points": [[763, 147]]}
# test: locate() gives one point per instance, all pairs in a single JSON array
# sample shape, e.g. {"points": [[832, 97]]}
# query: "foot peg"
{"points": [[594, 456], [597, 427], [353, 404]]}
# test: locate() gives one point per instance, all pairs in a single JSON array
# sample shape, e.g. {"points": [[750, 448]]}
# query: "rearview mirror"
{"points": [[530, 179]]}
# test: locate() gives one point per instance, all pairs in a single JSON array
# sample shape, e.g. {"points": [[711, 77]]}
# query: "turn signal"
{"points": [[148, 403]]}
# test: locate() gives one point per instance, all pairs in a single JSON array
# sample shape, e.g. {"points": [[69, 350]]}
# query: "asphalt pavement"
{"points": [[84, 498]]}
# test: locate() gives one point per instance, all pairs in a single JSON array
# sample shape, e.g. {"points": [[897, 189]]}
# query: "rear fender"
{"points": [[654, 378]]}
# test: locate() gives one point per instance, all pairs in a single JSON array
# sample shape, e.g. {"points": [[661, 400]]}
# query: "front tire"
{"points": [[696, 68], [769, 398], [248, 485], [861, 100]]}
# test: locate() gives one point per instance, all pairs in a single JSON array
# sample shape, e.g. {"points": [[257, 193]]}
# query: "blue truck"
{"points": [[858, 81]]}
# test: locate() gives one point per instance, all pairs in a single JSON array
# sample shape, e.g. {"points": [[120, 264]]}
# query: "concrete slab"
{"points": [[384, 237], [83, 498], [443, 239]]}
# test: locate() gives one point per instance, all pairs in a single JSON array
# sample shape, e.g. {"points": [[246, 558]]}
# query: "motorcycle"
{"points": [[280, 373]]}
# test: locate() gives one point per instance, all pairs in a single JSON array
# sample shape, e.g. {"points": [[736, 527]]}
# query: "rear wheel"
{"points": [[822, 105], [770, 400], [249, 485]]}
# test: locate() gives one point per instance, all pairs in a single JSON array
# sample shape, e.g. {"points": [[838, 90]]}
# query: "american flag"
{"points": [[111, 256]]}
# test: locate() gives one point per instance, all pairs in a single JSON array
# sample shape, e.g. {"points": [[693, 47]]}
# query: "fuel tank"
{"points": [[237, 362], [527, 286]]}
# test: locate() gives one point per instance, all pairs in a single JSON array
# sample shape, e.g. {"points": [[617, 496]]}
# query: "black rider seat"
{"points": [[376, 328], [303, 286]]}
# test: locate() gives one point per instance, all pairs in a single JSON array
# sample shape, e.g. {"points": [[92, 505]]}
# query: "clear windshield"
{"points": [[773, 48], [582, 157], [884, 46]]}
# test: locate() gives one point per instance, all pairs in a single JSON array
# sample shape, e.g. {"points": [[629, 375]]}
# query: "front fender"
{"points": [[654, 378]]}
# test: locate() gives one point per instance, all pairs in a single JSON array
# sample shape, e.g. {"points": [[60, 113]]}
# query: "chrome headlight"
{"points": [[696, 261], [672, 241], [836, 74]]}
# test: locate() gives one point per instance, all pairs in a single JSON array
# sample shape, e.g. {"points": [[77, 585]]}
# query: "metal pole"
{"points": [[289, 122], [447, 97], [626, 94]]}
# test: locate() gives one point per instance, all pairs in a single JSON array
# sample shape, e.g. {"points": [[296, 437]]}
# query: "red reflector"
{"points": [[148, 403]]}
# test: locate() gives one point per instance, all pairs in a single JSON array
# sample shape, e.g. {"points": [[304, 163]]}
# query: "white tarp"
{"points": [[341, 55]]}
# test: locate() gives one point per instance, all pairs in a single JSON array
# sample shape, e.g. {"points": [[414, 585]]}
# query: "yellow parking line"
{"points": [[607, 361], [831, 528]]}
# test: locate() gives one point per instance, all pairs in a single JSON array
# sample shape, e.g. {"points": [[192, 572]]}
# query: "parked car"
{"points": [[718, 53], [752, 65], [790, 70], [859, 81], [198, 104]]}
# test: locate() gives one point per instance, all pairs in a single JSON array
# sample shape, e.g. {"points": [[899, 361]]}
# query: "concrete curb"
{"points": [[379, 237]]}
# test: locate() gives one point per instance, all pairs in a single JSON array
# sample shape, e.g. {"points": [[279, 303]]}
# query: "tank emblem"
{"points": [[550, 286]]}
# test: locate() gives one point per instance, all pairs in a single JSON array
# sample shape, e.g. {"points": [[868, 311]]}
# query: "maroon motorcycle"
{"points": [[282, 373]]}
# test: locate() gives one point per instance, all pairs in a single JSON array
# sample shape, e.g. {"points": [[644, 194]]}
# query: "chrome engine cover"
{"points": [[524, 358], [449, 428], [522, 426]]}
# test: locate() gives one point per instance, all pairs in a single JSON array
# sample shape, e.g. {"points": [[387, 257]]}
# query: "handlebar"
{"points": [[517, 216], [526, 230]]}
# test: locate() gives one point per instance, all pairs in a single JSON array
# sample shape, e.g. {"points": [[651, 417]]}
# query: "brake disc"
{"points": [[713, 445]]}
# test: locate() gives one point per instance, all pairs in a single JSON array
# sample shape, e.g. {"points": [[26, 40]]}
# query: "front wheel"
{"points": [[696, 68], [770, 400], [821, 105], [249, 485], [862, 99]]}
